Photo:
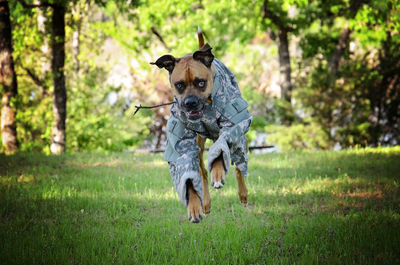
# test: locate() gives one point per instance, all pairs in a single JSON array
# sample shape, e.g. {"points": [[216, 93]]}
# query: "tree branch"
{"points": [[151, 107], [159, 37], [342, 43], [274, 18], [33, 76], [36, 80], [340, 48]]}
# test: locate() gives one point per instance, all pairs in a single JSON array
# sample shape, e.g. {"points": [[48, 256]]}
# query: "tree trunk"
{"points": [[285, 81], [8, 82], [340, 48], [342, 44], [60, 93]]}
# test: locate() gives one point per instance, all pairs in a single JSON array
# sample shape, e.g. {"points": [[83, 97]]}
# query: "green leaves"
{"points": [[242, 36]]}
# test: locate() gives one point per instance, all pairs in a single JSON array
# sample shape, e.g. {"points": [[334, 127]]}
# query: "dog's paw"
{"points": [[206, 204], [243, 198], [194, 208], [218, 174]]}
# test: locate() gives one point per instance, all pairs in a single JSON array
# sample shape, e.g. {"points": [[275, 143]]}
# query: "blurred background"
{"points": [[316, 74]]}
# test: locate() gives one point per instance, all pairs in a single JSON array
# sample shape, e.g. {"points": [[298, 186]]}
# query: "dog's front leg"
{"points": [[204, 176], [218, 173], [218, 162], [194, 208]]}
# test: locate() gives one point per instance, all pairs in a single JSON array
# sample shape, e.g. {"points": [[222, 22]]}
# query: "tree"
{"points": [[340, 82], [280, 19], [342, 43], [380, 81], [353, 93], [283, 18], [8, 82], [57, 66], [58, 136]]}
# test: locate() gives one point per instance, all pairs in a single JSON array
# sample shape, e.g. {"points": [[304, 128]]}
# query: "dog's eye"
{"points": [[200, 83], [180, 86]]}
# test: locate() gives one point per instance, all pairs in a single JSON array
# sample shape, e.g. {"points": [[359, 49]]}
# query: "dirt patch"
{"points": [[95, 165]]}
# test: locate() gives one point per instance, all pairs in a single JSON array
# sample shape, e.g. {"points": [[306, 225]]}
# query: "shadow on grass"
{"points": [[85, 230], [319, 208]]}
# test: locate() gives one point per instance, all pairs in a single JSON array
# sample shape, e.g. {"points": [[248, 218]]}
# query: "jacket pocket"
{"points": [[170, 155], [175, 132], [236, 111]]}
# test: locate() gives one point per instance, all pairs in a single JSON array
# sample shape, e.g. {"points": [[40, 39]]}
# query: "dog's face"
{"points": [[191, 79]]}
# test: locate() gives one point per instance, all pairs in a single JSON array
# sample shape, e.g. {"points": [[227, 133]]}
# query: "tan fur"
{"points": [[194, 206], [217, 170], [242, 189], [186, 70], [204, 176], [200, 37]]}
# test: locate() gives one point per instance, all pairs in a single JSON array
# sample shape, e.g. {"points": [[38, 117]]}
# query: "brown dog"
{"points": [[195, 117]]}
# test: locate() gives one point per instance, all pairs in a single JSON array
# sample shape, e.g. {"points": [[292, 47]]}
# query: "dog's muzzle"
{"points": [[193, 107]]}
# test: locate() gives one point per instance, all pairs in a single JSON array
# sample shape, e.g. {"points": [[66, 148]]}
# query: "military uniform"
{"points": [[225, 121]]}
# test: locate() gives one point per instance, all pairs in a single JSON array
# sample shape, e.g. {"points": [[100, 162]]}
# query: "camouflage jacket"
{"points": [[225, 121]]}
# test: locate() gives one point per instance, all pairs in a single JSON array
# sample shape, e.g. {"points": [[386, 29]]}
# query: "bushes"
{"points": [[298, 136]]}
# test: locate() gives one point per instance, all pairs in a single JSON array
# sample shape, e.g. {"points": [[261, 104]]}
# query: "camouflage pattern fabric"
{"points": [[225, 121]]}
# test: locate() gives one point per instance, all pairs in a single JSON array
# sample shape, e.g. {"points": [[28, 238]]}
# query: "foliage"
{"points": [[304, 207], [360, 107], [34, 106], [352, 110], [298, 136], [94, 124], [342, 113]]}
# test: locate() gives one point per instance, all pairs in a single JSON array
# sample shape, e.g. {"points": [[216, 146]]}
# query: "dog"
{"points": [[208, 104]]}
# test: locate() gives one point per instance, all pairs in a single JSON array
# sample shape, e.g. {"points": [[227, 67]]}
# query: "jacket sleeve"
{"points": [[182, 153], [234, 124]]}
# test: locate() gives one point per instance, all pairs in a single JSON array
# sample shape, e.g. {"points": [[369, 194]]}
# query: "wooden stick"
{"points": [[151, 107]]}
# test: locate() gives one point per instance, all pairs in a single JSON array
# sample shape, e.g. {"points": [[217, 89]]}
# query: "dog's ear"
{"points": [[204, 55], [167, 62]]}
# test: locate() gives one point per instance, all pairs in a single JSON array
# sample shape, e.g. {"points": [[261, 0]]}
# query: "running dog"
{"points": [[208, 104]]}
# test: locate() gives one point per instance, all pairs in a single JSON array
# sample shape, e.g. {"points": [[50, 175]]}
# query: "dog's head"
{"points": [[191, 79]]}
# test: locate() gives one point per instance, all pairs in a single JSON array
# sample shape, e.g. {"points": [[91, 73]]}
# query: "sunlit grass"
{"points": [[304, 207]]}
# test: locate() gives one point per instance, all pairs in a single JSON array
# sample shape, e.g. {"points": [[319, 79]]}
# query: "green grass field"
{"points": [[304, 208]]}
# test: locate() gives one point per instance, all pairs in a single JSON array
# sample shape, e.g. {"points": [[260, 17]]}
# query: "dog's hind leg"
{"points": [[204, 176], [242, 189]]}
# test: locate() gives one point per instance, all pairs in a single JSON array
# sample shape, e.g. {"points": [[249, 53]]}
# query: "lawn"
{"points": [[304, 208]]}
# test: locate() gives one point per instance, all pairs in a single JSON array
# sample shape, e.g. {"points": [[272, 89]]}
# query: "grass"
{"points": [[305, 208]]}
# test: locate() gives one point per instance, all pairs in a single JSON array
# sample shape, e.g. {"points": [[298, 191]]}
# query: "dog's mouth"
{"points": [[195, 114]]}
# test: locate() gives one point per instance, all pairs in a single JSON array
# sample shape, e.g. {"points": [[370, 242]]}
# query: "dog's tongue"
{"points": [[195, 112]]}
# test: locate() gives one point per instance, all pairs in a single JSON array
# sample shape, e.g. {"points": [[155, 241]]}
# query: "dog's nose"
{"points": [[191, 102]]}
